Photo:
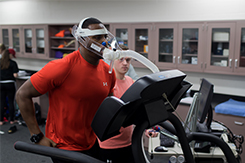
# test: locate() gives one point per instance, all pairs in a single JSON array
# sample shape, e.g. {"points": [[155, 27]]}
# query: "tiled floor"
{"points": [[11, 155]]}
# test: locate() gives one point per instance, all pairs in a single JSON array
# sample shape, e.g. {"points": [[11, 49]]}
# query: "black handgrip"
{"points": [[55, 152]]}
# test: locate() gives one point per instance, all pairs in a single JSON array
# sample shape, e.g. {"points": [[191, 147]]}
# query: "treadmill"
{"points": [[149, 101]]}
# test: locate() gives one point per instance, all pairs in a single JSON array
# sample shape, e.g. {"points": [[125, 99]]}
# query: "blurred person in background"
{"points": [[8, 74], [2, 48], [131, 71], [118, 149]]}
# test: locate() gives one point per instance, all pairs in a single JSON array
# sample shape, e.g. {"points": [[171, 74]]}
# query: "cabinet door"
{"points": [[28, 34], [5, 36], [221, 41], [15, 39], [234, 123], [190, 46], [10, 37], [239, 65], [123, 34], [142, 42], [35, 41], [166, 46]]}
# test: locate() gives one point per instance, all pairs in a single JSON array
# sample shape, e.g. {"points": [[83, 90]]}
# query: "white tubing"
{"points": [[141, 59], [112, 55]]}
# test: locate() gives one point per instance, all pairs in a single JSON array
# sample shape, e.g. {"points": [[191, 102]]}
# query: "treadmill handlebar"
{"points": [[55, 152]]}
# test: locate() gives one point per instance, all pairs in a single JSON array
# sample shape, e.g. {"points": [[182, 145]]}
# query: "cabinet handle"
{"points": [[230, 60], [205, 65], [238, 123], [174, 59], [206, 27], [203, 27], [236, 60], [201, 65], [178, 59]]}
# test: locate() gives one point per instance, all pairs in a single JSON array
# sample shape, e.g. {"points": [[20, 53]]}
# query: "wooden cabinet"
{"points": [[212, 46], [234, 123], [123, 34], [61, 41], [191, 45], [5, 36], [178, 46], [220, 47], [181, 111], [34, 40], [239, 58], [207, 47], [143, 40], [29, 41], [165, 49], [10, 37]]}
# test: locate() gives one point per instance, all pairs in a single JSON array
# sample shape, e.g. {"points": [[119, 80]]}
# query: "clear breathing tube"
{"points": [[112, 55]]}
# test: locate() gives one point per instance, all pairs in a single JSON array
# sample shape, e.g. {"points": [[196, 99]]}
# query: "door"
{"points": [[191, 45], [123, 34], [143, 42], [239, 59], [5, 36], [166, 45], [35, 39], [220, 48]]}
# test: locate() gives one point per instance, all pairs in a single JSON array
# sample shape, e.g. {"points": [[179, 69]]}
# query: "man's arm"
{"points": [[24, 97]]}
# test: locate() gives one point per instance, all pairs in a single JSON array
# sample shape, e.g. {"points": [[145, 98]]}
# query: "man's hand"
{"points": [[47, 142]]}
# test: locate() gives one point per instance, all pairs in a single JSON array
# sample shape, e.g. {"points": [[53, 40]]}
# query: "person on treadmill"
{"points": [[77, 84]]}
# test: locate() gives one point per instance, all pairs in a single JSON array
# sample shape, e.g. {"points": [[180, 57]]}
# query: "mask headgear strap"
{"points": [[85, 32]]}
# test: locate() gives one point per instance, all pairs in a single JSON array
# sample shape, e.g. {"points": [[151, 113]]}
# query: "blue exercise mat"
{"points": [[231, 107]]}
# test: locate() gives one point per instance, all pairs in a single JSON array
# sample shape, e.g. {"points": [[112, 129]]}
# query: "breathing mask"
{"points": [[82, 35], [108, 50]]}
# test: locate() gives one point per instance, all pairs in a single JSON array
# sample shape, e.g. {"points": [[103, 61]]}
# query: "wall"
{"points": [[72, 11]]}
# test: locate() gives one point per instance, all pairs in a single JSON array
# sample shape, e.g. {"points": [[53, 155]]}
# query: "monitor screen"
{"points": [[205, 98]]}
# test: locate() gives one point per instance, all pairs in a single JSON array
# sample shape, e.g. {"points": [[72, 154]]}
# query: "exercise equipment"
{"points": [[149, 101], [55, 152]]}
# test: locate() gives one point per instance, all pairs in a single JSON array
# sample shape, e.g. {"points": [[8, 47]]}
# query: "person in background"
{"points": [[12, 53], [118, 148], [2, 48], [9, 72], [77, 84], [131, 71]]}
